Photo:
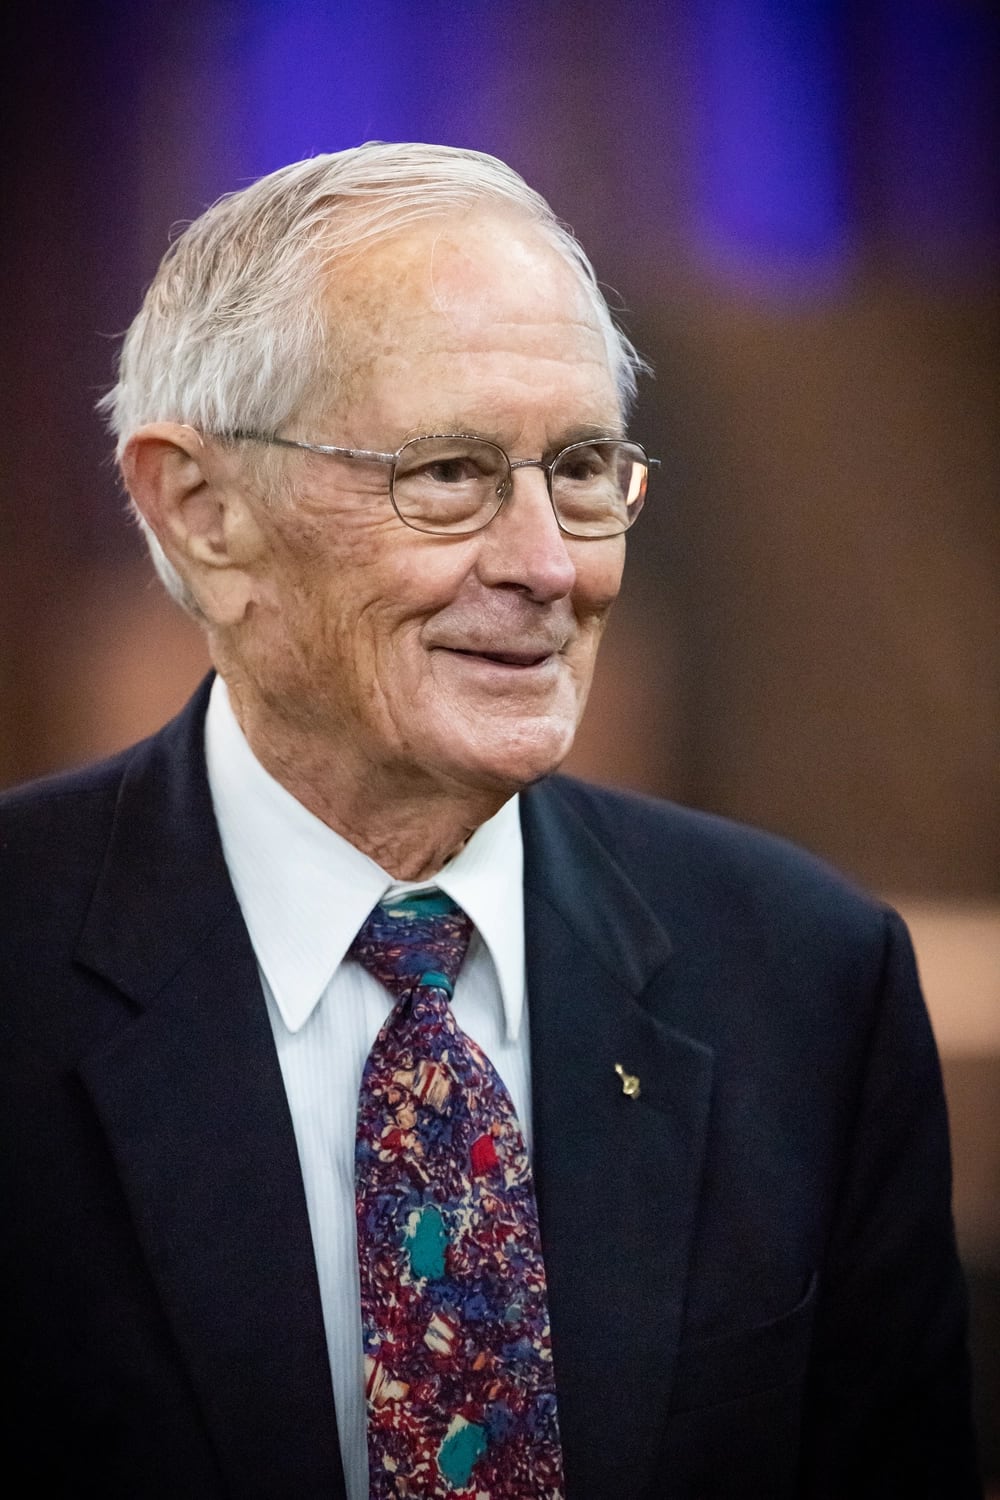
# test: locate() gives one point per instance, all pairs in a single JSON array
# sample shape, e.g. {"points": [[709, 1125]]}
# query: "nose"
{"points": [[523, 547]]}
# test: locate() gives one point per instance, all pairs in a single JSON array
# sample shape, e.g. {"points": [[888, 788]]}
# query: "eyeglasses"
{"points": [[453, 484]]}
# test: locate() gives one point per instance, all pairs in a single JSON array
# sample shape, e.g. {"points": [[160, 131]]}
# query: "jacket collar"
{"points": [[164, 887]]}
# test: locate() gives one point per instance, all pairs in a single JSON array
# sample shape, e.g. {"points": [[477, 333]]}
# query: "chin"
{"points": [[517, 756]]}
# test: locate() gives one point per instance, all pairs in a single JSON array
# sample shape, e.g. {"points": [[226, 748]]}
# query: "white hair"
{"points": [[232, 334]]}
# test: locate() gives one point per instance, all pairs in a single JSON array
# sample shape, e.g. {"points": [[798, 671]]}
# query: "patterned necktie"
{"points": [[458, 1359]]}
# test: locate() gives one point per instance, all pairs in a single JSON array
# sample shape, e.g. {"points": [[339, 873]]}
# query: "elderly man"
{"points": [[387, 1116]]}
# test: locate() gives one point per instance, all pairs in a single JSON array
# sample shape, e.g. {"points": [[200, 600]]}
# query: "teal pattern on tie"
{"points": [[458, 1357]]}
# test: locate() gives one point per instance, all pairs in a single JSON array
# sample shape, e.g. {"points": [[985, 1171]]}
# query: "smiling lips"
{"points": [[506, 658]]}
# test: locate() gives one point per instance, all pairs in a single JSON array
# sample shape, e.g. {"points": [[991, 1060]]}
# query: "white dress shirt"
{"points": [[304, 892]]}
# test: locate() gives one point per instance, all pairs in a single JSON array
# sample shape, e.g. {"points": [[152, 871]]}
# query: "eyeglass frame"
{"points": [[369, 455]]}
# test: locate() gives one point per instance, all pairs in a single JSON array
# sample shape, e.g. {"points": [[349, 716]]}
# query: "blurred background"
{"points": [[794, 205]]}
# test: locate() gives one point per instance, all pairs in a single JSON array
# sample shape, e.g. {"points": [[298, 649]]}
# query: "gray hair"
{"points": [[231, 333]]}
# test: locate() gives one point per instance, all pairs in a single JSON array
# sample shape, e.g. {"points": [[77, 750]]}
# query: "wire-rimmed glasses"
{"points": [[452, 484]]}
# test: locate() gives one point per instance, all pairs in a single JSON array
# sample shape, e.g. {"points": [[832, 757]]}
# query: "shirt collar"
{"points": [[304, 890]]}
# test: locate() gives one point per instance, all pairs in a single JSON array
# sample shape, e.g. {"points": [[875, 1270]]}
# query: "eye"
{"points": [[582, 464], [448, 484], [459, 469], [448, 462]]}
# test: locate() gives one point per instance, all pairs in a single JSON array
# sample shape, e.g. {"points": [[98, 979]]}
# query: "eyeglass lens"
{"points": [[449, 485]]}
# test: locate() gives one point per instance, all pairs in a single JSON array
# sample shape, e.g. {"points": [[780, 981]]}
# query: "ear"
{"points": [[188, 491]]}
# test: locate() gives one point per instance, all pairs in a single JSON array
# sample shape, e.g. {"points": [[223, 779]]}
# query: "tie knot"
{"points": [[418, 939]]}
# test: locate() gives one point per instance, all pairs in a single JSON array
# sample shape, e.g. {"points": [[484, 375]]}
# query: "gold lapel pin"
{"points": [[630, 1083]]}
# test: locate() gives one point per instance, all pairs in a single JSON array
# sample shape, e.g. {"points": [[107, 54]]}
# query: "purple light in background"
{"points": [[318, 77], [769, 171], [940, 61], [296, 77]]}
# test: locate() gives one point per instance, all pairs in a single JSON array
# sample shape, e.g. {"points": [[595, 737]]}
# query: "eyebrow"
{"points": [[580, 432]]}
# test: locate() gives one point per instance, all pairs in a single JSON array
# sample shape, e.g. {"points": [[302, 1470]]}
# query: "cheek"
{"points": [[366, 605], [599, 567], [412, 580]]}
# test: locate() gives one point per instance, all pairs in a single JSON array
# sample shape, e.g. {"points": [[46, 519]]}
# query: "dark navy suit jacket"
{"points": [[753, 1282]]}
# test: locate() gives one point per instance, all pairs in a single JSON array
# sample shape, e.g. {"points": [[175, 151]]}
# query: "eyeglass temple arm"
{"points": [[246, 435]]}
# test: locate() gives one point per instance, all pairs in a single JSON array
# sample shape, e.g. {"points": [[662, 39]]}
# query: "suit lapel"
{"points": [[190, 1096], [617, 1177]]}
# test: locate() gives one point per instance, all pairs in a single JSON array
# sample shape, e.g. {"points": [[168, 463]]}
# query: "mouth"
{"points": [[517, 659]]}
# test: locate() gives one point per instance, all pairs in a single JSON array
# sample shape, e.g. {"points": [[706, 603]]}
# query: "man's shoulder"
{"points": [[643, 826], [52, 814], [54, 807], [54, 836], [109, 876], [55, 832], [700, 862]]}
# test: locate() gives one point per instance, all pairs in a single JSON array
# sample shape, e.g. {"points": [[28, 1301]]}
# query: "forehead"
{"points": [[485, 295]]}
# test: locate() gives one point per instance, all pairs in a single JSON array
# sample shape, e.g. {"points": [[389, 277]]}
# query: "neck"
{"points": [[408, 824]]}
